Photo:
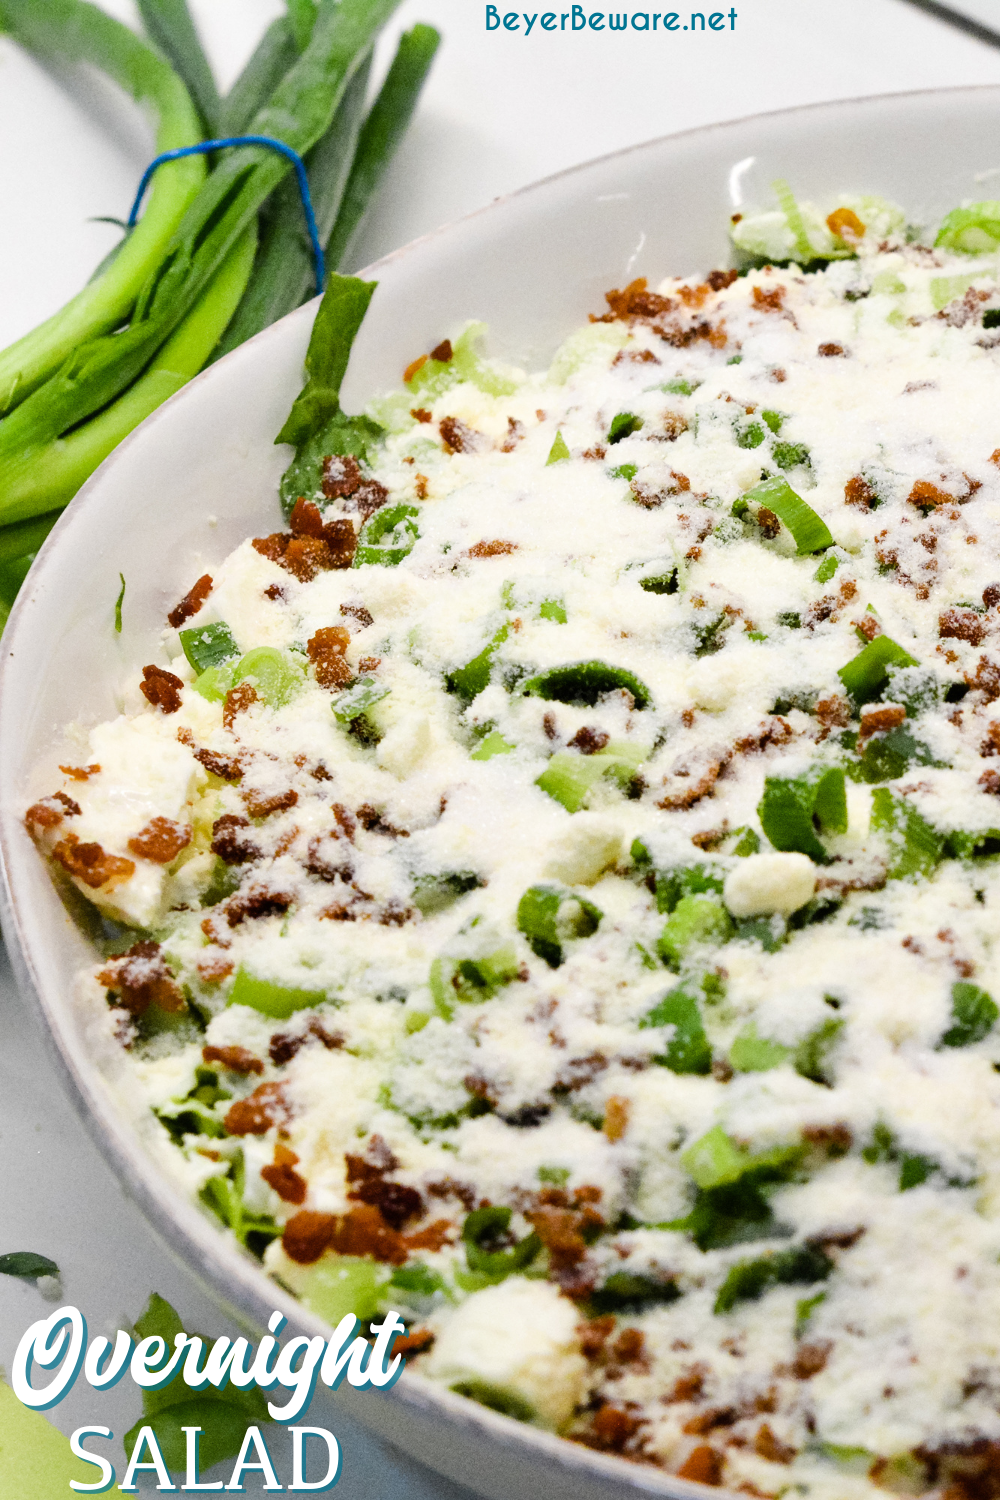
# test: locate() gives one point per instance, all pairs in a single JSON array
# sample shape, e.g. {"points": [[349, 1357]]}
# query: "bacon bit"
{"points": [[239, 700], [879, 717], [307, 1234], [160, 841], [846, 225], [673, 425], [449, 1188], [707, 1421], [434, 1237], [162, 689], [346, 820], [79, 773], [617, 1110], [228, 841], [307, 556], [768, 522], [285, 1045], [90, 863], [597, 452], [995, 457], [689, 1386], [635, 302], [226, 767], [359, 613], [141, 978], [396, 1202], [266, 1106], [630, 1347], [458, 437], [961, 625], [369, 664], [282, 1176], [342, 476], [559, 1231], [361, 1232], [868, 626], [233, 1059], [272, 547], [420, 485], [327, 859], [929, 495], [990, 782], [635, 357], [772, 301], [593, 1336], [767, 1446], [679, 801], [835, 1140], [260, 805], [373, 822], [414, 1342], [857, 491], [213, 968], [611, 1429], [773, 731], [703, 1464], [326, 650], [306, 521], [719, 280], [443, 353], [191, 603], [275, 592], [811, 1359], [492, 549], [259, 901], [590, 741], [43, 815], [986, 678], [515, 433], [832, 351], [421, 414]]}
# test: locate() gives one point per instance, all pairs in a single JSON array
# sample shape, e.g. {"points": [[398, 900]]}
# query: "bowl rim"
{"points": [[235, 1281]]}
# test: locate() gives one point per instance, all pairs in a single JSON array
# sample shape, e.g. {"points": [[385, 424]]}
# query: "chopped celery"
{"points": [[336, 1285], [277, 1000], [549, 917], [275, 674], [569, 777], [946, 289], [596, 341], [623, 425], [471, 980], [750, 1279], [583, 682], [469, 681], [388, 537], [914, 846], [974, 1013], [208, 645], [433, 377], [803, 248], [357, 700], [974, 230], [554, 610], [865, 675], [827, 568], [751, 1053], [558, 452], [688, 1050], [493, 744], [485, 1228], [215, 682], [434, 893], [792, 808], [695, 921], [888, 283], [809, 531]]}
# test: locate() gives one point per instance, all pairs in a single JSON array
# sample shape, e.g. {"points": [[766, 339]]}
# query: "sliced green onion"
{"points": [[866, 674], [435, 893], [747, 843], [493, 744], [695, 922], [793, 806], [974, 230], [887, 756], [570, 777], [388, 537], [278, 1001], [552, 609], [169, 25], [789, 456], [750, 1279], [623, 426], [357, 700], [686, 880], [549, 917], [809, 531], [118, 605], [688, 1050], [804, 251], [471, 980], [276, 675], [914, 846], [469, 681], [812, 1053], [974, 1013], [827, 568], [208, 645], [583, 682], [487, 1226], [679, 386], [751, 1053], [715, 1160], [625, 471], [558, 452], [774, 419], [749, 435]]}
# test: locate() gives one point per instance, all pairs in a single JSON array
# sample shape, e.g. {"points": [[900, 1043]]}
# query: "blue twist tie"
{"points": [[246, 140]]}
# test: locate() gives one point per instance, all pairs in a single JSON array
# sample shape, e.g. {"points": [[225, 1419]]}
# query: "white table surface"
{"points": [[501, 110]]}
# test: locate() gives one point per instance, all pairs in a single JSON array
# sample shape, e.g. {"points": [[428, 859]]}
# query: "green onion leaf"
{"points": [[827, 568], [570, 777], [493, 744], [434, 893], [278, 1001], [914, 846], [974, 230], [661, 583], [810, 532], [583, 682], [549, 917], [750, 1279], [974, 1013], [388, 537], [558, 452], [118, 604], [695, 922], [276, 675], [792, 807], [751, 1053], [626, 1293], [688, 1050], [208, 645], [866, 674], [623, 426], [469, 681]]}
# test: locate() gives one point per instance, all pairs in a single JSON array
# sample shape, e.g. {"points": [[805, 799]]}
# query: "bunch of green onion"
{"points": [[221, 250]]}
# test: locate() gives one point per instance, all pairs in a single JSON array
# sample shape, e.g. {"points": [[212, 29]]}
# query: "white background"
{"points": [[501, 110]]}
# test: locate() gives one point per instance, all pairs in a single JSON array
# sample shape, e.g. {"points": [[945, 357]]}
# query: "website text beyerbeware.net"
{"points": [[579, 20]]}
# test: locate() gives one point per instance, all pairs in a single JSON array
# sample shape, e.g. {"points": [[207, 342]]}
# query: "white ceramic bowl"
{"points": [[201, 474]]}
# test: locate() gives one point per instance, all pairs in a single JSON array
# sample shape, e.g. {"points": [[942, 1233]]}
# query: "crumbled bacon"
{"points": [[617, 1110], [307, 521], [675, 801], [491, 549], [272, 547], [275, 593], [284, 1045], [433, 1237], [362, 1231], [635, 301], [307, 1234], [635, 357], [421, 414], [372, 820], [703, 1464], [673, 425], [928, 496], [342, 475], [327, 858], [266, 1106], [233, 1059], [458, 437], [876, 718], [611, 1429], [962, 625], [50, 811], [719, 280], [709, 1419], [593, 1336], [396, 1202], [79, 773], [191, 603], [590, 741], [515, 434], [772, 301], [91, 864], [325, 650], [443, 353], [772, 731], [259, 901], [359, 613], [986, 678], [768, 522], [226, 767], [140, 978], [237, 701], [264, 804], [161, 688], [307, 556], [161, 840], [811, 1359], [857, 491], [767, 1446], [282, 1176], [831, 351], [230, 843]]}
